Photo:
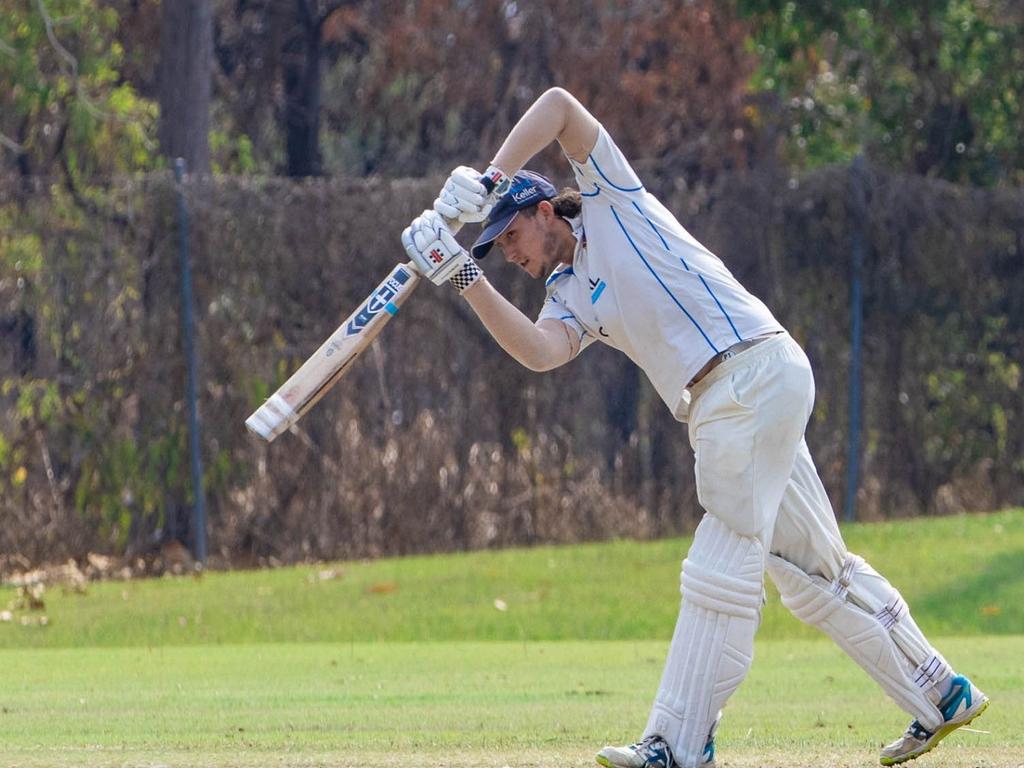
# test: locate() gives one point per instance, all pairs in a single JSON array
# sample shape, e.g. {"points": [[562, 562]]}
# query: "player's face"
{"points": [[527, 243]]}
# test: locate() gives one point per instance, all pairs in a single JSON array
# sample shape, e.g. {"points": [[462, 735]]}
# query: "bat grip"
{"points": [[488, 183]]}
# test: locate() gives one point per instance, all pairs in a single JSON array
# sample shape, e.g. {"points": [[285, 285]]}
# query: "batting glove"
{"points": [[436, 253], [468, 196]]}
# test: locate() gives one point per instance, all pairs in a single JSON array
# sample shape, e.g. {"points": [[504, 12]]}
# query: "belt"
{"points": [[725, 354]]}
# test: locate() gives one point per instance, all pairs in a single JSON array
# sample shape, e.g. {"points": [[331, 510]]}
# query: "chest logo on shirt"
{"points": [[597, 286]]}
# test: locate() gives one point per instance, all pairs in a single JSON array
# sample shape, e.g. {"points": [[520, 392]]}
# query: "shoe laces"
{"points": [[654, 751], [918, 731]]}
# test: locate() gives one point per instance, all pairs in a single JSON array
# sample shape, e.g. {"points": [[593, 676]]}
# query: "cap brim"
{"points": [[491, 232]]}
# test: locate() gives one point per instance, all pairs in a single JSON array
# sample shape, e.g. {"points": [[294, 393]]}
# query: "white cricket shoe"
{"points": [[962, 704], [654, 752]]}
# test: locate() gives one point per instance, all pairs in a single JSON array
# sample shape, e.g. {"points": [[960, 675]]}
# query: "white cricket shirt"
{"points": [[642, 284]]}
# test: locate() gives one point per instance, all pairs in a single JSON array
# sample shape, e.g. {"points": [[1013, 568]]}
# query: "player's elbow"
{"points": [[561, 103], [559, 96], [579, 129], [550, 346], [533, 361], [542, 359], [540, 366]]}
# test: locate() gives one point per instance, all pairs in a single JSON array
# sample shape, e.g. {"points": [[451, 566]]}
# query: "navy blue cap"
{"points": [[528, 188]]}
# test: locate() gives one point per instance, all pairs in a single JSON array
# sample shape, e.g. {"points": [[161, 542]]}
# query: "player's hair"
{"points": [[568, 203]]}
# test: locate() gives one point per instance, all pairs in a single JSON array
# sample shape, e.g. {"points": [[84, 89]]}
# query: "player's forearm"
{"points": [[514, 331], [556, 115]]}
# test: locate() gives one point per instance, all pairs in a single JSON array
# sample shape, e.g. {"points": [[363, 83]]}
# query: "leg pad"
{"points": [[868, 619], [713, 643]]}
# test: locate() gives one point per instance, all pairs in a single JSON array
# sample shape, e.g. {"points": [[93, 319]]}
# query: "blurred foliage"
{"points": [[414, 88], [402, 88], [931, 88], [65, 110], [92, 442], [444, 82], [72, 300]]}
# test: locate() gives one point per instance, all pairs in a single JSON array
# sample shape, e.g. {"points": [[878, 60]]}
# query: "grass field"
{"points": [[488, 704], [961, 575], [516, 658]]}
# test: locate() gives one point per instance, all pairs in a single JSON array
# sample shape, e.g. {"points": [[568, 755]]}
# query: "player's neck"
{"points": [[564, 242]]}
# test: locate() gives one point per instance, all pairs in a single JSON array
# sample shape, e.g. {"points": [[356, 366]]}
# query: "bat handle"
{"points": [[488, 183]]}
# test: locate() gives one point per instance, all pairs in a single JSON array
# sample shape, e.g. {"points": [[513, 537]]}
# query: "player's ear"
{"points": [[546, 209]]}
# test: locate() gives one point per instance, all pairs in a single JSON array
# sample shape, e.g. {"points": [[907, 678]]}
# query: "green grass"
{"points": [[961, 575], [492, 704], [409, 661]]}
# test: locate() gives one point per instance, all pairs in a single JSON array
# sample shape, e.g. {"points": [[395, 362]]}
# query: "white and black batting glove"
{"points": [[436, 253], [468, 195]]}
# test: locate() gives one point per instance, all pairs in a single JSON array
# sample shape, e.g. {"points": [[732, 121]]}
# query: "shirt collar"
{"points": [[576, 222]]}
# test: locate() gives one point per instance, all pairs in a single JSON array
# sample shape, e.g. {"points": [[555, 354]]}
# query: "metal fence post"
{"points": [[188, 332], [858, 194]]}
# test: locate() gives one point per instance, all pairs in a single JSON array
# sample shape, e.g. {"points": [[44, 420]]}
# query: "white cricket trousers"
{"points": [[761, 493], [746, 426]]}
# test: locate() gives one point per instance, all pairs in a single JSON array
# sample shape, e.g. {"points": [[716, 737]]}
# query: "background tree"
{"points": [[92, 442], [184, 77], [442, 83], [931, 88], [303, 52], [272, 55], [414, 88], [64, 109]]}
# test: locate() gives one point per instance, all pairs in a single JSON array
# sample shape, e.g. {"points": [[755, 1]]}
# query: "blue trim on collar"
{"points": [[557, 274]]}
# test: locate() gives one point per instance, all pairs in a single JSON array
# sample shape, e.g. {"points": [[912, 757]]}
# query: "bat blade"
{"points": [[334, 357]]}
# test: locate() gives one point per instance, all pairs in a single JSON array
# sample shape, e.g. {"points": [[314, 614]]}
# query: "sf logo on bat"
{"points": [[380, 300]]}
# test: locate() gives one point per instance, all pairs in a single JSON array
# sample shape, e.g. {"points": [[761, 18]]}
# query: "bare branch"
{"points": [[72, 62], [11, 144], [60, 49]]}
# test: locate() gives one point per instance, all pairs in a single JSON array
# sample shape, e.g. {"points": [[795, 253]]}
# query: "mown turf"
{"points": [[299, 666], [460, 704], [962, 575]]}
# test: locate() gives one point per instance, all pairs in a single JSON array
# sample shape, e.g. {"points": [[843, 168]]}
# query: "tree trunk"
{"points": [[303, 54], [184, 77]]}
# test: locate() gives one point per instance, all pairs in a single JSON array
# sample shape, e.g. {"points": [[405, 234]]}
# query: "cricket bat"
{"points": [[335, 356]]}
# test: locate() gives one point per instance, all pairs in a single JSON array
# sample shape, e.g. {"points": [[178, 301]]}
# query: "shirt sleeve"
{"points": [[556, 309], [607, 171]]}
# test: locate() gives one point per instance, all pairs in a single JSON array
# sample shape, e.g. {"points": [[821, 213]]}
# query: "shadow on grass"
{"points": [[991, 602]]}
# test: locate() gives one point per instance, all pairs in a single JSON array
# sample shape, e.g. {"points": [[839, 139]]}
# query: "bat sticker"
{"points": [[380, 300]]}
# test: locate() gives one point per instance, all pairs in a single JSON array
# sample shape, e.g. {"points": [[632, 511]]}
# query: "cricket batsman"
{"points": [[620, 269]]}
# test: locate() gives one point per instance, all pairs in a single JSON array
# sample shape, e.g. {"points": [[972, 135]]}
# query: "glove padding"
{"points": [[433, 248], [465, 198]]}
